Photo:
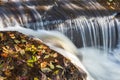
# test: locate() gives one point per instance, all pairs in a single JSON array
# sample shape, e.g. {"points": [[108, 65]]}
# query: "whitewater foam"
{"points": [[100, 64]]}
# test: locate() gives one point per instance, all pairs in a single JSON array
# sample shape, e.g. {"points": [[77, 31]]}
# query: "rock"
{"points": [[25, 58]]}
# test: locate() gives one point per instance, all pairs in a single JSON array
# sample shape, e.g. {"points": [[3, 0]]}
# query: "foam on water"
{"points": [[100, 64]]}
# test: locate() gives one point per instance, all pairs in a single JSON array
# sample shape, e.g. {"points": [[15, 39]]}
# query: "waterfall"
{"points": [[90, 26], [93, 32], [84, 22]]}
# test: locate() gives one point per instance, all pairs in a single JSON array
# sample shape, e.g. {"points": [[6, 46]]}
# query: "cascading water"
{"points": [[89, 23], [93, 32], [85, 22]]}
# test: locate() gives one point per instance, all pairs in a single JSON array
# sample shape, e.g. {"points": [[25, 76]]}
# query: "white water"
{"points": [[96, 31], [98, 64], [91, 25]]}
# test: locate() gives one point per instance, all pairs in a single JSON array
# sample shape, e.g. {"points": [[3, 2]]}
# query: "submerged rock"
{"points": [[25, 58]]}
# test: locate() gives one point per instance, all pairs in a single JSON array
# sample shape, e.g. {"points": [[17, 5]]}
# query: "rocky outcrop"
{"points": [[25, 58]]}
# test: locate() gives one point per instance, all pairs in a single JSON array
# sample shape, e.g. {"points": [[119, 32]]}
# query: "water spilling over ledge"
{"points": [[86, 22], [76, 19]]}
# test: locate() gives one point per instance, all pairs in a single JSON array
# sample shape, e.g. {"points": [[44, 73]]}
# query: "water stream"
{"points": [[90, 26], [84, 22]]}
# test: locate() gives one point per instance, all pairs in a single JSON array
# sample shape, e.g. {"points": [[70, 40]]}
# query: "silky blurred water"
{"points": [[83, 29]]}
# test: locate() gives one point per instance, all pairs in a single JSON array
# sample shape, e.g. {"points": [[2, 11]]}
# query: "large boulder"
{"points": [[26, 58]]}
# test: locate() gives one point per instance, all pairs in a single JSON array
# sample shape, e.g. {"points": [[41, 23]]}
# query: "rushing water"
{"points": [[86, 23]]}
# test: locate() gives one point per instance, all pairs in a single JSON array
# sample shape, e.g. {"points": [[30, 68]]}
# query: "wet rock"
{"points": [[25, 58]]}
